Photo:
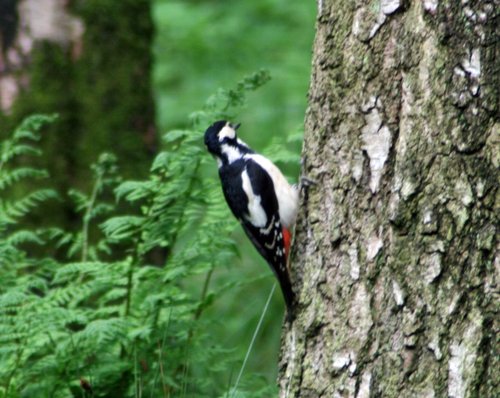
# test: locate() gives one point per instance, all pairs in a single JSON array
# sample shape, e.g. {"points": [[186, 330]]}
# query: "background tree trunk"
{"points": [[90, 62], [396, 259]]}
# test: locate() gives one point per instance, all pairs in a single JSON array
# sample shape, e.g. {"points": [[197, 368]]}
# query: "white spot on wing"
{"points": [[256, 214], [272, 244]]}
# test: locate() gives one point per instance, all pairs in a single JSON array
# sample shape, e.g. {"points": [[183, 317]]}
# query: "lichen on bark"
{"points": [[395, 261]]}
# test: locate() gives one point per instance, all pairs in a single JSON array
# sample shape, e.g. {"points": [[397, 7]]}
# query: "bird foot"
{"points": [[306, 182]]}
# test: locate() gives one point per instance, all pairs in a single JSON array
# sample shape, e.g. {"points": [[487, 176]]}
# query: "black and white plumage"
{"points": [[259, 196]]}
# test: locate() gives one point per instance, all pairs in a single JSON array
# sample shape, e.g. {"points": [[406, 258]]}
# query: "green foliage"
{"points": [[115, 312], [119, 286], [19, 146], [101, 88], [201, 45]]}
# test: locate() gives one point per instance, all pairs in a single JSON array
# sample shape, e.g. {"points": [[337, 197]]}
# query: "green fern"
{"points": [[116, 311]]}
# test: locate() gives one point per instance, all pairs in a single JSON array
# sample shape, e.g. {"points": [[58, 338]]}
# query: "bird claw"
{"points": [[306, 182]]}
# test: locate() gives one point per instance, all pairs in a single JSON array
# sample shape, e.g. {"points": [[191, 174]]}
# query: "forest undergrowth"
{"points": [[102, 310]]}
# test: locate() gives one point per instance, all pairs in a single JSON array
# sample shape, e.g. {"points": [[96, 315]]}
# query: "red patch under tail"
{"points": [[287, 240]]}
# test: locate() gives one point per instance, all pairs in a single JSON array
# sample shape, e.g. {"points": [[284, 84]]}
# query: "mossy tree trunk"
{"points": [[395, 261]]}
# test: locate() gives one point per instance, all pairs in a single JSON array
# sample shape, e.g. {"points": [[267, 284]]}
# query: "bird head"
{"points": [[219, 134]]}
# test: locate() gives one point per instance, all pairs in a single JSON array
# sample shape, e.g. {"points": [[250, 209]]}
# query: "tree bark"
{"points": [[395, 262], [23, 24]]}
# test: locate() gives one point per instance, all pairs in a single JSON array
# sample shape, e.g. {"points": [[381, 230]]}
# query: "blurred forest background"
{"points": [[123, 272]]}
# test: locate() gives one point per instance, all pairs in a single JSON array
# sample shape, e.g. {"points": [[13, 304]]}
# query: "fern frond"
{"points": [[18, 209], [19, 237], [8, 178], [122, 227]]}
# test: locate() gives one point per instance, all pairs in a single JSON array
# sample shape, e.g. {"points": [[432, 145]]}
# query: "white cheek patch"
{"points": [[256, 214], [227, 132]]}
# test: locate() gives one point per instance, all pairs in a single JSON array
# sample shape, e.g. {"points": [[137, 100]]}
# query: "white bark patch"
{"points": [[380, 21], [320, 7], [459, 71], [360, 315], [369, 104], [389, 6], [430, 6], [390, 53], [428, 392], [341, 360], [49, 20], [472, 64], [373, 247], [464, 191], [399, 297], [432, 266], [292, 352], [8, 92], [480, 188], [353, 257], [426, 65], [364, 388], [357, 166], [367, 16], [377, 142], [482, 16], [407, 104], [463, 356], [427, 217], [407, 189], [356, 22], [453, 303], [353, 366], [434, 347], [397, 340], [474, 90]]}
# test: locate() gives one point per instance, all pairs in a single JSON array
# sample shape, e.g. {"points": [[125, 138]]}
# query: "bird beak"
{"points": [[236, 126]]}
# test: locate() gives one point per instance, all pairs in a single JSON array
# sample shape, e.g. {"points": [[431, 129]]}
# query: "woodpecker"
{"points": [[259, 196]]}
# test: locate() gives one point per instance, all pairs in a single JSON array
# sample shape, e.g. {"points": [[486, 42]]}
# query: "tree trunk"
{"points": [[395, 261]]}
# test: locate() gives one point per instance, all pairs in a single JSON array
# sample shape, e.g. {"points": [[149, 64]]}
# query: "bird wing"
{"points": [[269, 239]]}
